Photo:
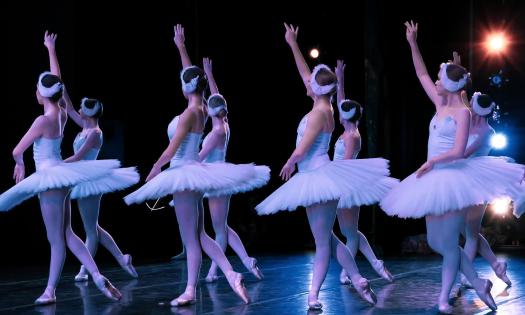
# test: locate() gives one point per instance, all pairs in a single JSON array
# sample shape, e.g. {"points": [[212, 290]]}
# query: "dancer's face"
{"points": [[440, 89]]}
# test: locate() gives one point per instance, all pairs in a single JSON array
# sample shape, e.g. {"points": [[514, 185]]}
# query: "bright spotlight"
{"points": [[498, 141], [314, 53], [496, 43], [501, 206]]}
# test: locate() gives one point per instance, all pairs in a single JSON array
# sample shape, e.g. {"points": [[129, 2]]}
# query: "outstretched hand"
{"points": [[179, 38], [19, 173], [340, 69], [287, 171], [291, 33], [49, 40], [411, 32], [207, 65]]}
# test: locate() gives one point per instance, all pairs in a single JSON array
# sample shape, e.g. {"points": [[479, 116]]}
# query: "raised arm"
{"points": [[291, 38], [340, 74], [66, 103], [419, 64], [92, 141], [49, 42], [34, 132], [179, 40], [313, 129], [183, 128], [462, 118], [207, 64]]}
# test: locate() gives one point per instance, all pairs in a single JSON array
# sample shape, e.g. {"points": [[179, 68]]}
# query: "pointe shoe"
{"points": [[314, 305], [465, 283], [46, 299], [500, 268], [106, 287], [364, 290], [128, 267], [82, 275], [343, 278], [183, 300], [211, 278], [251, 264], [485, 296], [236, 282], [445, 308], [379, 267]]}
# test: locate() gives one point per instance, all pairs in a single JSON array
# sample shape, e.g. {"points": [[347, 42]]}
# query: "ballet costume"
{"points": [[53, 173], [454, 185], [320, 180], [118, 179], [186, 173], [376, 192]]}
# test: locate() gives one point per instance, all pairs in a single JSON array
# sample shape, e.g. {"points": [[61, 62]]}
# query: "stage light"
{"points": [[314, 53], [498, 141], [496, 43], [501, 206]]}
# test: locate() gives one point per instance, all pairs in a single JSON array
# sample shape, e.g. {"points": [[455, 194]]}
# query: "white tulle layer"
{"points": [[193, 176], [452, 186], [118, 179], [368, 195], [55, 175], [331, 181]]}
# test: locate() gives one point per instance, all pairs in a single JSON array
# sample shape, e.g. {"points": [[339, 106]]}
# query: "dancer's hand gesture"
{"points": [[207, 65], [411, 32], [425, 168], [179, 35], [340, 69], [287, 171], [19, 173], [49, 40], [291, 33]]}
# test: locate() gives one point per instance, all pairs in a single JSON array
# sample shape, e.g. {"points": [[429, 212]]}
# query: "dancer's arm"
{"points": [[49, 42], [35, 131], [186, 120], [66, 100], [419, 65], [480, 141], [214, 140], [313, 129], [92, 141], [207, 64], [340, 74], [291, 38], [462, 118], [179, 40]]}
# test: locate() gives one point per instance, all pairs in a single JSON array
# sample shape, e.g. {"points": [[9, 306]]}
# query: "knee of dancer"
{"points": [[92, 233], [435, 243]]}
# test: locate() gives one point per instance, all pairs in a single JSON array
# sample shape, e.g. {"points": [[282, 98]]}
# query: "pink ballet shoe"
{"points": [[314, 304], [500, 269], [211, 278], [82, 275], [445, 308], [106, 287], [379, 267], [251, 264], [343, 278], [485, 296], [128, 267], [236, 282], [46, 298], [364, 290], [183, 300]]}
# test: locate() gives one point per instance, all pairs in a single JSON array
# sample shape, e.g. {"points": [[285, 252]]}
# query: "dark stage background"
{"points": [[124, 55]]}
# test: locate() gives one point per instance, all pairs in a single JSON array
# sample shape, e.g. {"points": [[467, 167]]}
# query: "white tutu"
{"points": [[330, 181], [193, 176], [118, 179], [259, 178], [368, 195], [54, 174], [452, 186]]}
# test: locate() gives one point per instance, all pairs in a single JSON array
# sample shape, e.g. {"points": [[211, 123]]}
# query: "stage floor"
{"points": [[283, 291]]}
